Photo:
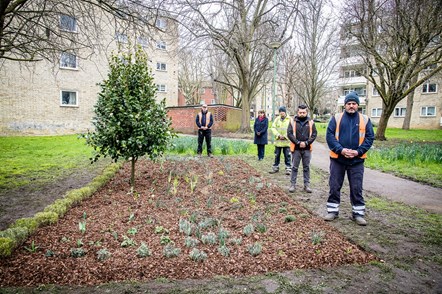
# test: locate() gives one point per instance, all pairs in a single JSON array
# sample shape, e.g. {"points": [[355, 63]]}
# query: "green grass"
{"points": [[39, 159], [427, 226]]}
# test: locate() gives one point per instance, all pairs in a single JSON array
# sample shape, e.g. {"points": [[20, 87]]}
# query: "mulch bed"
{"points": [[228, 194]]}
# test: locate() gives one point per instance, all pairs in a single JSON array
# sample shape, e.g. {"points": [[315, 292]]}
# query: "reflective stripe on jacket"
{"points": [[363, 119]]}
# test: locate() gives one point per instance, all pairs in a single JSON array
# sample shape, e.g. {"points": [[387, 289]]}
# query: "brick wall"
{"points": [[226, 118]]}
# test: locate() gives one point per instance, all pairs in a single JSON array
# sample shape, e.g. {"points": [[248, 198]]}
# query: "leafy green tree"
{"points": [[128, 121]]}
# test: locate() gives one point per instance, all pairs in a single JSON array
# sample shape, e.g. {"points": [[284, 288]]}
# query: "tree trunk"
{"points": [[409, 109], [245, 114], [383, 122], [132, 175]]}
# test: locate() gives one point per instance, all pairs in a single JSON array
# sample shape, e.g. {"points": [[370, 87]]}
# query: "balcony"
{"points": [[342, 98]]}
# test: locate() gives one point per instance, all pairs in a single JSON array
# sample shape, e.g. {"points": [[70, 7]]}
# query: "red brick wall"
{"points": [[226, 118]]}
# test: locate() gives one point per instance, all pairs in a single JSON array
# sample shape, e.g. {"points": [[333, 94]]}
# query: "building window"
{"points": [[360, 90], [376, 112], [161, 88], [160, 23], [121, 38], [68, 98], [68, 60], [429, 87], [161, 45], [143, 41], [68, 23], [375, 92], [428, 111], [202, 91], [161, 66], [352, 73], [400, 111]]}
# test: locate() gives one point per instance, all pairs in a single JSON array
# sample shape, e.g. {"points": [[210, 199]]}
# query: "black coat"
{"points": [[261, 128]]}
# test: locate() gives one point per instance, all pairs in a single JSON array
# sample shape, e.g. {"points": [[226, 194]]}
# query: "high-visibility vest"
{"points": [[363, 119], [207, 119], [310, 124]]}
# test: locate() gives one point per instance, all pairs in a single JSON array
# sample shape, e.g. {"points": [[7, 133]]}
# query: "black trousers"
{"points": [[261, 150], [204, 134], [286, 151]]}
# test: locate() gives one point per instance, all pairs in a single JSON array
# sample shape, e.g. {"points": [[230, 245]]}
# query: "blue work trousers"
{"points": [[355, 175]]}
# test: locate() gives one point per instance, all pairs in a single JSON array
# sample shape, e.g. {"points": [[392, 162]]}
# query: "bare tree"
{"points": [[242, 30], [32, 30], [317, 43], [190, 75], [398, 41]]}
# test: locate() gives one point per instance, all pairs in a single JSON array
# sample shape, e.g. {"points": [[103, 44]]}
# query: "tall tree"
{"points": [[317, 43], [128, 121], [31, 30], [242, 30], [398, 41], [190, 75]]}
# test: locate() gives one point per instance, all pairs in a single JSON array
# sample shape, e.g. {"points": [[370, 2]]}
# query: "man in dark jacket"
{"points": [[301, 133], [349, 136], [204, 121]]}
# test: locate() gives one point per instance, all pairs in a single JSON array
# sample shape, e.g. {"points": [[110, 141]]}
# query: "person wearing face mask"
{"points": [[349, 136], [301, 133], [282, 143]]}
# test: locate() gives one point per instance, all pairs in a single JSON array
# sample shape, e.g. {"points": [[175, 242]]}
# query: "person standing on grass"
{"points": [[302, 133], [349, 136], [260, 127], [282, 143], [204, 121]]}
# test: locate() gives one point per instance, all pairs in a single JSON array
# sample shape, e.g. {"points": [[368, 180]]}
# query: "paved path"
{"points": [[389, 186]]}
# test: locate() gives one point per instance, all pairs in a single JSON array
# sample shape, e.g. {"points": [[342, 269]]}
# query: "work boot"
{"points": [[210, 155], [307, 189], [360, 220], [199, 154], [274, 170], [330, 216], [288, 171], [292, 189]]}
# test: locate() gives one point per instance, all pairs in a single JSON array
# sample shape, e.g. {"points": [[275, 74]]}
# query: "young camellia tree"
{"points": [[128, 121]]}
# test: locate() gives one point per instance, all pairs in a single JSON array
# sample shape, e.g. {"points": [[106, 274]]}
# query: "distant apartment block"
{"points": [[44, 98]]}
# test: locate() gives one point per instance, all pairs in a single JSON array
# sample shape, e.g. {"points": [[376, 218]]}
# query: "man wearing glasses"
{"points": [[204, 121]]}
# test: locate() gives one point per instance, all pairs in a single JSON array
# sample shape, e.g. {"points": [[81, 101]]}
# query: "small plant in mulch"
{"points": [[248, 229], [170, 250], [79, 243], [223, 234], [197, 255], [82, 227], [185, 227], [49, 253], [255, 249], [165, 239], [192, 180], [209, 238], [143, 250], [235, 241], [127, 242], [317, 237], [224, 250], [260, 228], [103, 254], [289, 218], [77, 252], [191, 242], [33, 248], [132, 231]]}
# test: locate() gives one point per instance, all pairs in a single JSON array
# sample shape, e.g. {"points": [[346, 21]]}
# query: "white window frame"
{"points": [[426, 113], [121, 38], [161, 23], [143, 41], [66, 62], [161, 66], [426, 87], [67, 104], [213, 101], [68, 23], [375, 92], [362, 92], [376, 112], [161, 45], [400, 111], [161, 88]]}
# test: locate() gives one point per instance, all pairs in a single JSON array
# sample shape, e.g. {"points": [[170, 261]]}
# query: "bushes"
{"points": [[22, 228]]}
